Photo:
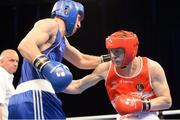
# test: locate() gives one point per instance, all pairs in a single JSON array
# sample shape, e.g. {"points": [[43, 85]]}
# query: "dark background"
{"points": [[156, 22]]}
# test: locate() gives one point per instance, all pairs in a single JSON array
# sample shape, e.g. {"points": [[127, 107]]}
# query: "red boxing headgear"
{"points": [[125, 40]]}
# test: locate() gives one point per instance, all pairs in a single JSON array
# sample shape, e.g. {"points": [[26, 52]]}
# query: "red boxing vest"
{"points": [[138, 85]]}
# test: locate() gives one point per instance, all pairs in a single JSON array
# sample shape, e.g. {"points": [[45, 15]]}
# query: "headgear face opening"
{"points": [[125, 40], [68, 11]]}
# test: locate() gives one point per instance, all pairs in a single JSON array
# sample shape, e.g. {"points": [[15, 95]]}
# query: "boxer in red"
{"points": [[137, 86]]}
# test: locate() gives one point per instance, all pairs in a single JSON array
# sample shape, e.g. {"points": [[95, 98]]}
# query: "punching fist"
{"points": [[57, 73], [126, 104]]}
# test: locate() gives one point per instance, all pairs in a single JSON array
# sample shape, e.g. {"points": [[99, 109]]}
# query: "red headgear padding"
{"points": [[125, 40]]}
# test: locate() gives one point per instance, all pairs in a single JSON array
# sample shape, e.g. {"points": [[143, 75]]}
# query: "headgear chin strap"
{"points": [[68, 11], [125, 40]]}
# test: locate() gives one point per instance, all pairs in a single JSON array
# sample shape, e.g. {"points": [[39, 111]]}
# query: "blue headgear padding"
{"points": [[68, 11]]}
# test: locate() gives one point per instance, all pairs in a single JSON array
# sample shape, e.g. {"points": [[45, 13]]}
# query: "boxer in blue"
{"points": [[42, 73]]}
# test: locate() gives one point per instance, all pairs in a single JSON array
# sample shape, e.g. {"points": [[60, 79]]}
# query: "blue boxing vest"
{"points": [[55, 52]]}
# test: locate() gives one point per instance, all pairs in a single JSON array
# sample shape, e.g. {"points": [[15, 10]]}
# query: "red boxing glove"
{"points": [[126, 104]]}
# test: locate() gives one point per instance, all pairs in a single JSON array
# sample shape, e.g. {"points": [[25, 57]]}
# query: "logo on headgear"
{"points": [[109, 41], [66, 10]]}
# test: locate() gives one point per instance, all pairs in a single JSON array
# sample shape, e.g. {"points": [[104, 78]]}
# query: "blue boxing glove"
{"points": [[57, 73]]}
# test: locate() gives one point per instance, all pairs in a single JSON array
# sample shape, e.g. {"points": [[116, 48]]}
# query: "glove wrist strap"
{"points": [[40, 61], [146, 105], [105, 58]]}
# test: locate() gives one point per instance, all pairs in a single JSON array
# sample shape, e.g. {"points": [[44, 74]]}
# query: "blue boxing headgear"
{"points": [[68, 11]]}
